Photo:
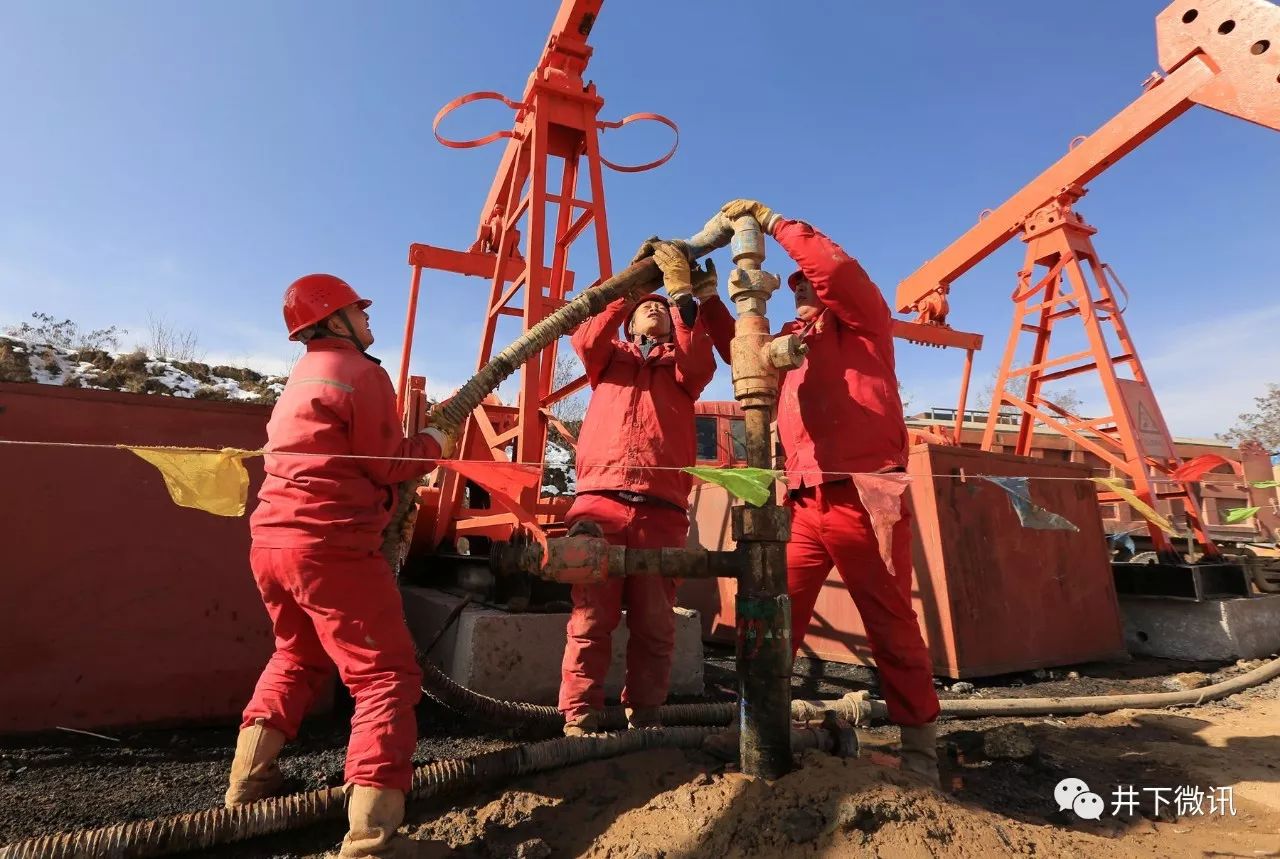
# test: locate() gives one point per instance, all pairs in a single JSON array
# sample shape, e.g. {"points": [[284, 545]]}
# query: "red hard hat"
{"points": [[653, 296], [795, 277], [311, 298]]}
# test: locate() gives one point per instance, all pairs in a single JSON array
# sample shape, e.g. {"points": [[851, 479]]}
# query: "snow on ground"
{"points": [[134, 372], [558, 472]]}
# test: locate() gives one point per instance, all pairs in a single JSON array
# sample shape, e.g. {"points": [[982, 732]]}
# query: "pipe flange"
{"points": [[752, 283]]}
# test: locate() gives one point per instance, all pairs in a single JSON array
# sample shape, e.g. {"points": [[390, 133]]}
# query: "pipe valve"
{"points": [[786, 352]]}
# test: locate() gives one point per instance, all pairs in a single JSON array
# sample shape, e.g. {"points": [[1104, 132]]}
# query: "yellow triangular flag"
{"points": [[213, 481], [1116, 485]]}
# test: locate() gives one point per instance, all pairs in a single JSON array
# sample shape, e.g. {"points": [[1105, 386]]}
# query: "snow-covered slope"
{"points": [[25, 361]]}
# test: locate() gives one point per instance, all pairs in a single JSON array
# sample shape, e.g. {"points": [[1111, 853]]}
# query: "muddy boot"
{"points": [[643, 717], [587, 723], [373, 816], [254, 774], [723, 745], [920, 752]]}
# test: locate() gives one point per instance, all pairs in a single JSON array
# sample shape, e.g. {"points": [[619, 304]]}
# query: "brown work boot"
{"points": [[920, 752], [373, 816], [723, 745], [254, 774], [643, 717], [587, 723]]}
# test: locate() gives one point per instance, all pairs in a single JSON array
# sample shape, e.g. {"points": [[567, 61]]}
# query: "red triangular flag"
{"points": [[1194, 469], [504, 482], [507, 479]]}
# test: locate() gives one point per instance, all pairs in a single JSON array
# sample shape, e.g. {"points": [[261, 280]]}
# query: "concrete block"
{"points": [[1240, 628], [517, 657]]}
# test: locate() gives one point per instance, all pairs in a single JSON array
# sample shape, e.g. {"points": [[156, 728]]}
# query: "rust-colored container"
{"points": [[121, 608], [992, 596]]}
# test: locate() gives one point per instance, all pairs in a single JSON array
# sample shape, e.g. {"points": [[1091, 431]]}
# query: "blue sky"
{"points": [[189, 160]]}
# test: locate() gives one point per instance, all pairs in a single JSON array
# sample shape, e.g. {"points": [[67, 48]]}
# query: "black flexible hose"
{"points": [[177, 833], [445, 690], [854, 707]]}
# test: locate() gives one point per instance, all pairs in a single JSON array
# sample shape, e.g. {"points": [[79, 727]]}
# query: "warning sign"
{"points": [[1145, 419], [1146, 423]]}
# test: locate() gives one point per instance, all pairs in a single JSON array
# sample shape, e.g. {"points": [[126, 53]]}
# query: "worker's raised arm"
{"points": [[720, 325], [712, 310], [593, 340], [695, 362], [374, 430], [838, 279]]}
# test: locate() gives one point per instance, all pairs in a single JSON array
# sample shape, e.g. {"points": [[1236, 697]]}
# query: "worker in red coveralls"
{"points": [[637, 435], [331, 595], [840, 414]]}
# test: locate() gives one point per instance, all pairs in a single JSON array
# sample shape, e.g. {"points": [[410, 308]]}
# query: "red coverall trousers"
{"points": [[830, 525], [340, 607], [598, 608]]}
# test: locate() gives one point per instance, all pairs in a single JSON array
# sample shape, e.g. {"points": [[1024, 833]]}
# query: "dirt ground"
{"points": [[998, 798]]}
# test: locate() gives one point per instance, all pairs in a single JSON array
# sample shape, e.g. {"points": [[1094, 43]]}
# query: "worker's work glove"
{"points": [[646, 249], [705, 283], [644, 252], [447, 440], [676, 274], [766, 217]]}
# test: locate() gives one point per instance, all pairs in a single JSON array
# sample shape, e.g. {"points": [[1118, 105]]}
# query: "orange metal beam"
{"points": [[474, 263], [565, 54], [1223, 54], [1152, 111], [936, 335]]}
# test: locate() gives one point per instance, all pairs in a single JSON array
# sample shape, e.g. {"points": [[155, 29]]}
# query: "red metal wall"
{"points": [[119, 606], [992, 596]]}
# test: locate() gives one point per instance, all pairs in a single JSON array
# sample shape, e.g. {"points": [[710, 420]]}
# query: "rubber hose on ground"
{"points": [[444, 689], [855, 707], [177, 833], [1083, 704], [1260, 580], [163, 836]]}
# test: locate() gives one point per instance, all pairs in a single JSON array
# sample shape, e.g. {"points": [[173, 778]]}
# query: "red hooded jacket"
{"points": [[640, 418], [840, 411], [338, 401]]}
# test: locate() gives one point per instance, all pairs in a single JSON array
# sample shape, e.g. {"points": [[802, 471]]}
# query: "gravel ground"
{"points": [[57, 782], [61, 781]]}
